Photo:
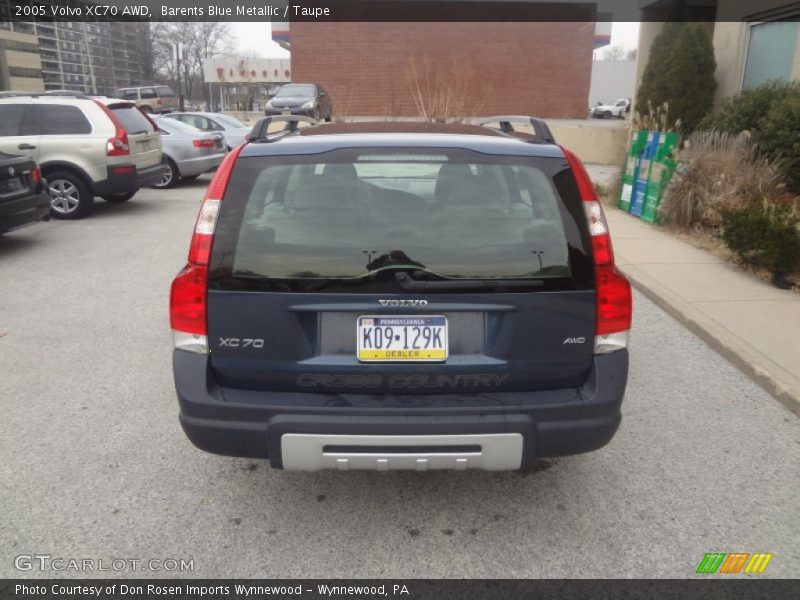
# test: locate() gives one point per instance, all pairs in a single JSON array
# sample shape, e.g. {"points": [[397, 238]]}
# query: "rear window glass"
{"points": [[173, 125], [351, 213], [164, 91], [127, 94], [229, 121], [56, 119], [132, 119]]}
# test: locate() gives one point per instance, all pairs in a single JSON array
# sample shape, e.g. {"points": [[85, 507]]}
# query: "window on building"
{"points": [[770, 52]]}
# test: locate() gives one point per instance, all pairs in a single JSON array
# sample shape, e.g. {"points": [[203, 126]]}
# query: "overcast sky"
{"points": [[256, 38]]}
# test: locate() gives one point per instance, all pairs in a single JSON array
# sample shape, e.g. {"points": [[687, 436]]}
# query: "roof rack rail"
{"points": [[541, 130], [260, 132], [60, 94]]}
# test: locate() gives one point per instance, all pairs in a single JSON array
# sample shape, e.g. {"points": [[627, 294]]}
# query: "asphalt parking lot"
{"points": [[96, 465]]}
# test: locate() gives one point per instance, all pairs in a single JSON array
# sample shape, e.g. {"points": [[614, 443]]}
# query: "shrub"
{"points": [[743, 111], [765, 236], [680, 74], [771, 113], [717, 172]]}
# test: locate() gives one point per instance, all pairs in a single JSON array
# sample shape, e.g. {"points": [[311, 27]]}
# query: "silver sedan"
{"points": [[188, 152], [231, 128]]}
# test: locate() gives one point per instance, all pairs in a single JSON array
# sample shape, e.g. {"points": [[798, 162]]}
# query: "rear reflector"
{"points": [[614, 302], [188, 296]]}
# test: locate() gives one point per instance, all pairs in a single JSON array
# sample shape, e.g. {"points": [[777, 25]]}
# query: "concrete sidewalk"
{"points": [[753, 324]]}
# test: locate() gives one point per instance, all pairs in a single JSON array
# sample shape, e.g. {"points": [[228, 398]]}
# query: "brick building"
{"points": [[466, 69]]}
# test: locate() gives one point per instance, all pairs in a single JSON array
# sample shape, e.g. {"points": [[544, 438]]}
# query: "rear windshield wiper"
{"points": [[408, 283]]}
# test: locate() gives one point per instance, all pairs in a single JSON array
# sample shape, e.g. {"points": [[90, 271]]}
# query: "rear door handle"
{"points": [[26, 147]]}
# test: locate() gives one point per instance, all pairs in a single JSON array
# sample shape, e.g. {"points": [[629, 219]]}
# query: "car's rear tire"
{"points": [[170, 176], [70, 196], [120, 198], [607, 114]]}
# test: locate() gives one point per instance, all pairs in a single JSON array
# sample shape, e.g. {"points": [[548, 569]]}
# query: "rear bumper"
{"points": [[252, 424], [123, 179], [24, 211], [295, 110], [200, 165]]}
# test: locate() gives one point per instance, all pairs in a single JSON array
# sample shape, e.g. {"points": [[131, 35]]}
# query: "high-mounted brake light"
{"points": [[117, 145], [187, 301], [614, 301]]}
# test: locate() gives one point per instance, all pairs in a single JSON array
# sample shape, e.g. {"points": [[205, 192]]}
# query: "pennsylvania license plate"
{"points": [[385, 338]]}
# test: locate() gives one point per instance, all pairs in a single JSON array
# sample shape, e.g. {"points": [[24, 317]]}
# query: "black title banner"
{"points": [[377, 10], [395, 589]]}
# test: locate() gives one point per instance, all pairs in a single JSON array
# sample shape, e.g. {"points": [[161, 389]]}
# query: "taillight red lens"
{"points": [[187, 300], [614, 300], [117, 145], [36, 175], [203, 143]]}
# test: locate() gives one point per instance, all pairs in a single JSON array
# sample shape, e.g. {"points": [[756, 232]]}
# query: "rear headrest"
{"points": [[340, 170]]}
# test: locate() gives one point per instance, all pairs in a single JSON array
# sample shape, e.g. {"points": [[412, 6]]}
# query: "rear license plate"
{"points": [[11, 186], [402, 338], [286, 112]]}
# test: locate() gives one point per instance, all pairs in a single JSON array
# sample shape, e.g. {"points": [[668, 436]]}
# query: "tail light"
{"points": [[614, 301], [36, 176], [187, 300], [117, 145], [203, 143]]}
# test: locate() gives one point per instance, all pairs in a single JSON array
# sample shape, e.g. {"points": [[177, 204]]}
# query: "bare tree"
{"points": [[613, 53], [198, 41], [444, 92]]}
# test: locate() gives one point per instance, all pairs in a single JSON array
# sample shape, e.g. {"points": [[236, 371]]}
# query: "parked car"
{"points": [[401, 296], [618, 108], [23, 197], [187, 151], [231, 128], [150, 99], [307, 99], [85, 147]]}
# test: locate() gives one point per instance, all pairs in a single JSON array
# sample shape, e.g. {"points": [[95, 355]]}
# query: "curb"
{"points": [[770, 376]]}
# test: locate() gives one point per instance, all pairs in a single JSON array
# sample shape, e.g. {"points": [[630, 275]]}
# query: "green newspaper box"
{"points": [[638, 142], [660, 173]]}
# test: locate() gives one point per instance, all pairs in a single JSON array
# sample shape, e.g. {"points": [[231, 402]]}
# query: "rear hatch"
{"points": [[408, 270], [144, 141], [19, 179]]}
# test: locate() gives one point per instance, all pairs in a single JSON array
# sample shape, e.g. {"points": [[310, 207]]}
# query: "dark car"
{"points": [[400, 296], [23, 196], [307, 99]]}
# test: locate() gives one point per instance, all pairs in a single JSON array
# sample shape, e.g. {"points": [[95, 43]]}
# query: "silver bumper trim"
{"points": [[494, 452]]}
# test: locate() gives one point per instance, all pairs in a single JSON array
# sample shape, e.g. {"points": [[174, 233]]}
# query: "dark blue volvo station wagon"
{"points": [[400, 296]]}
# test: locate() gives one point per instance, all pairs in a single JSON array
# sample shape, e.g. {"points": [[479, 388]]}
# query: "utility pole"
{"points": [[181, 104]]}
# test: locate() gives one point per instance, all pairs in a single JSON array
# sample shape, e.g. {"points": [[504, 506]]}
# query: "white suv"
{"points": [[85, 147]]}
